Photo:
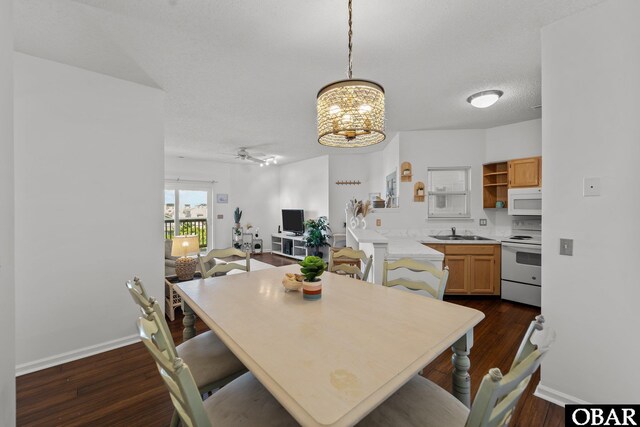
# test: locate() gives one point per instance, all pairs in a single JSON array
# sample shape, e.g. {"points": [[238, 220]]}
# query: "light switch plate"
{"points": [[378, 222], [483, 222], [566, 247], [220, 216], [591, 186]]}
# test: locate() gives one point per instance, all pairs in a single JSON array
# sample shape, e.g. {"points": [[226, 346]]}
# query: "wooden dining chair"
{"points": [[212, 363], [420, 402], [243, 401], [417, 285], [209, 267], [348, 261]]}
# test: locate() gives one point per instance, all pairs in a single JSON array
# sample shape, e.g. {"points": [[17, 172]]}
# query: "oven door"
{"points": [[522, 263], [525, 201]]}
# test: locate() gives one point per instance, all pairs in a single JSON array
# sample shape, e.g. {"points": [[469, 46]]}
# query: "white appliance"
{"points": [[525, 201], [522, 263]]}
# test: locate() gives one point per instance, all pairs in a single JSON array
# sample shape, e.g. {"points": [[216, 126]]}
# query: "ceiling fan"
{"points": [[243, 154]]}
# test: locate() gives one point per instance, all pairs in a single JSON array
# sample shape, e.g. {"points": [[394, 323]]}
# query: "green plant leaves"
{"points": [[312, 267]]}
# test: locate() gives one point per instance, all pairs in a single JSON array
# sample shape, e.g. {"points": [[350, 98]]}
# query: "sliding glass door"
{"points": [[188, 211]]}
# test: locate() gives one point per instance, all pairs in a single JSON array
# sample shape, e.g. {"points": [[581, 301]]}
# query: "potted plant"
{"points": [[237, 215], [237, 229], [316, 234], [312, 268]]}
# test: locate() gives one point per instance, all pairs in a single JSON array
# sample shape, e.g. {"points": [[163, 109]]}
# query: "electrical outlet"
{"points": [[566, 247], [483, 222], [378, 222], [220, 216]]}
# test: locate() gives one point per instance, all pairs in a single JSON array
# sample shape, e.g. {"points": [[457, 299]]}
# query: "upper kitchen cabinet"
{"points": [[495, 181], [525, 172]]}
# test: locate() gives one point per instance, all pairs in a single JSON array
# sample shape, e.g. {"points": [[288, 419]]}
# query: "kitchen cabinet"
{"points": [[525, 172], [495, 182], [473, 269]]}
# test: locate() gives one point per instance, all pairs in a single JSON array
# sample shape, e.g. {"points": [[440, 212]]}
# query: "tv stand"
{"points": [[288, 245]]}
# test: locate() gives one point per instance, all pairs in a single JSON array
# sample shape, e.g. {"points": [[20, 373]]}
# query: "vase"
{"points": [[312, 290], [363, 224], [354, 222]]}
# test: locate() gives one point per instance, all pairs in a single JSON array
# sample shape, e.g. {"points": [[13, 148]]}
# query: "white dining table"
{"points": [[332, 361]]}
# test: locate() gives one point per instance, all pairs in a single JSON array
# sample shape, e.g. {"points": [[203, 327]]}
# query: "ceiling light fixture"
{"points": [[485, 98], [351, 112]]}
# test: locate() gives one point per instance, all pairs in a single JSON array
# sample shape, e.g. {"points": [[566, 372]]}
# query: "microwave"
{"points": [[525, 201]]}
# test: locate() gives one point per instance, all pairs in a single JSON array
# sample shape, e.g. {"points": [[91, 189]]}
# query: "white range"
{"points": [[522, 262]]}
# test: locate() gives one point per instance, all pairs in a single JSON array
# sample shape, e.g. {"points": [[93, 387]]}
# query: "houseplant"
{"points": [[237, 215], [316, 234], [237, 229], [312, 268]]}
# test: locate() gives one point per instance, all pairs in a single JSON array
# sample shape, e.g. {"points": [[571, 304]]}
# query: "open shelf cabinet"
{"points": [[495, 182]]}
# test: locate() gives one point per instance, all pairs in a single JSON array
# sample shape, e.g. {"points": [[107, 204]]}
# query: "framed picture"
{"points": [[222, 198]]}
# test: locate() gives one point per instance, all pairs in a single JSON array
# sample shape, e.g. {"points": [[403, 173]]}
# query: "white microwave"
{"points": [[525, 201]]}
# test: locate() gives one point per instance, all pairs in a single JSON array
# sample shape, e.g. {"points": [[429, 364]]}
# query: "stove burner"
{"points": [[520, 237]]}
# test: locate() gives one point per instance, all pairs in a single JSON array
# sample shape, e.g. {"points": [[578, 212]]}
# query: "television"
{"points": [[293, 221]]}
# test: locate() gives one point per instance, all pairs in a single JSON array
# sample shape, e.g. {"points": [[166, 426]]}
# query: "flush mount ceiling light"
{"points": [[351, 112], [485, 98]]}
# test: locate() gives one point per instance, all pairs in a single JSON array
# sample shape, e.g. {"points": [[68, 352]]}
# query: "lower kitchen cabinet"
{"points": [[473, 269]]}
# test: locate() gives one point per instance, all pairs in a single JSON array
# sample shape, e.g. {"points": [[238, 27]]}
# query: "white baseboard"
{"points": [[58, 359], [559, 398]]}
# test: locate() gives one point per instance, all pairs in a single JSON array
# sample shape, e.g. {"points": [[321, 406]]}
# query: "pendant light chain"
{"points": [[349, 73], [351, 111]]}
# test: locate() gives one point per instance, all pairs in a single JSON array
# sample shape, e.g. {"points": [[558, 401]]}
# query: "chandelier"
{"points": [[351, 112]]}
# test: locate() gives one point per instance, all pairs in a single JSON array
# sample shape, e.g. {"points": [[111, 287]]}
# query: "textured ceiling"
{"points": [[246, 73]]}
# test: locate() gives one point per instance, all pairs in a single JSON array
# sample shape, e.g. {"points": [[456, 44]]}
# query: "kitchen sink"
{"points": [[448, 237], [456, 237], [475, 238]]}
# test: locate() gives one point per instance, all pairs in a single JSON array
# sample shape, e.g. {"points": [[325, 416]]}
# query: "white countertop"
{"points": [[407, 248], [432, 240], [368, 236]]}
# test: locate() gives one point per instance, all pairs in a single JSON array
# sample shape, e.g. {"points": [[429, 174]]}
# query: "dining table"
{"points": [[331, 361]]}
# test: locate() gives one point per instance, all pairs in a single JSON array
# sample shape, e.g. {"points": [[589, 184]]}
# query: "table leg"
{"points": [[461, 364], [188, 321]]}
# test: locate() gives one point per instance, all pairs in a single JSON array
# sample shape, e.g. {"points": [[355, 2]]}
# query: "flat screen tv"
{"points": [[293, 221]]}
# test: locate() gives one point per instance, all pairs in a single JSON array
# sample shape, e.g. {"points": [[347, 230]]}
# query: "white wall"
{"points": [[89, 197], [590, 128], [7, 331], [434, 148], [254, 189], [513, 141], [305, 185], [257, 191], [347, 167]]}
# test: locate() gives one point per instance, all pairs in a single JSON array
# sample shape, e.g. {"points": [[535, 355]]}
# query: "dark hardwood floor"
{"points": [[122, 387]]}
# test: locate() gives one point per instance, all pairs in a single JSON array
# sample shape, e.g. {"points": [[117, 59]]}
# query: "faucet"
{"points": [[453, 231]]}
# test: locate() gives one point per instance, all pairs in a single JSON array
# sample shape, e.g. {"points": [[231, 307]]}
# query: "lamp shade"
{"points": [[351, 114], [185, 245]]}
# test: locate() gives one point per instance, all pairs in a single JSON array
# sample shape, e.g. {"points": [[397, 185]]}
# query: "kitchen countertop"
{"points": [[407, 248], [495, 240]]}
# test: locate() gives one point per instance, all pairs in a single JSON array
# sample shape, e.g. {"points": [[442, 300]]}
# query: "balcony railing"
{"points": [[197, 226]]}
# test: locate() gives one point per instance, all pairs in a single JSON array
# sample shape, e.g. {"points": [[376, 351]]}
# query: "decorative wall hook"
{"points": [[348, 183]]}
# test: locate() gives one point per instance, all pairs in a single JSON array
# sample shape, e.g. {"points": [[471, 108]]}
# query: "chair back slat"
{"points": [[417, 285], [498, 395], [149, 306], [354, 260], [220, 268], [414, 285], [175, 374]]}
